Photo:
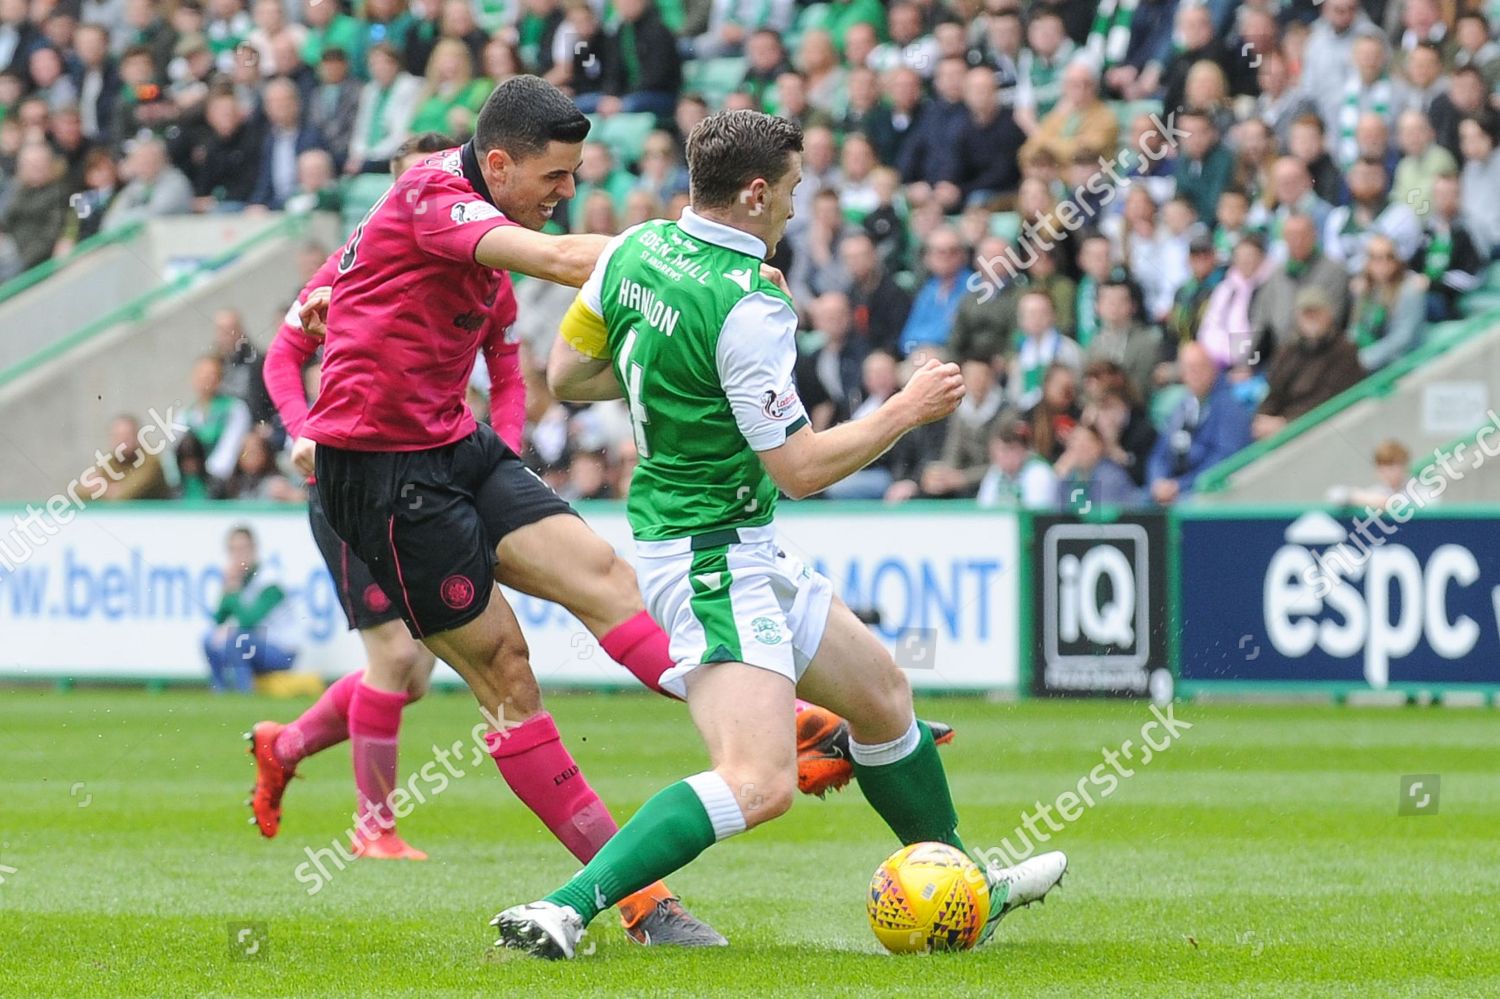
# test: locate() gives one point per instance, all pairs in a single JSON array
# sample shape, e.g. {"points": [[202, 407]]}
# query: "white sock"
{"points": [[882, 753], [719, 802]]}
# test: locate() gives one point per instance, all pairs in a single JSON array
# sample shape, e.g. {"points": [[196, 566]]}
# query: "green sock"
{"points": [[670, 830], [911, 794]]}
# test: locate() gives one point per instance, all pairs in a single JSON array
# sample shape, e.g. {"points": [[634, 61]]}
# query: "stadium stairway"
{"points": [[115, 330], [1433, 401]]}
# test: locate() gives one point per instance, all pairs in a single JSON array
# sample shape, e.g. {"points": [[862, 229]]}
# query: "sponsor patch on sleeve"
{"points": [[474, 211], [779, 406]]}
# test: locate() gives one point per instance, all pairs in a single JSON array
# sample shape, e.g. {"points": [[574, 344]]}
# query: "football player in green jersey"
{"points": [[678, 319]]}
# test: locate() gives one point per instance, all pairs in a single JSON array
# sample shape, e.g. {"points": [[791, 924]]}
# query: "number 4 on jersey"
{"points": [[630, 378]]}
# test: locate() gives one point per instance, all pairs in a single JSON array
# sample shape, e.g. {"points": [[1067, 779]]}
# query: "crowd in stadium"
{"points": [[1151, 231]]}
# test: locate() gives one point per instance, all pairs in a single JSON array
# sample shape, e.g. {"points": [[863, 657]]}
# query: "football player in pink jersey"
{"points": [[552, 556]]}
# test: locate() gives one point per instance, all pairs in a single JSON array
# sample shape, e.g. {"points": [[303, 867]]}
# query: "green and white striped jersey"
{"points": [[704, 348]]}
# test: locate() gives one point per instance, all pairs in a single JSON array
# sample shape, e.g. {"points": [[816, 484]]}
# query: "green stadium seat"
{"points": [[812, 16], [1164, 402], [1006, 225], [1481, 301], [1434, 332], [1126, 112], [624, 134], [360, 194], [715, 79]]}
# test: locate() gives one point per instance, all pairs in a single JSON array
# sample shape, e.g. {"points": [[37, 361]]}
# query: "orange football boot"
{"points": [[271, 777], [823, 760]]}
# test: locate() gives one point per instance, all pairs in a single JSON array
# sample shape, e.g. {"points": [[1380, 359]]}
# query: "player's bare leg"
{"points": [[491, 655], [395, 664], [561, 559], [743, 713]]}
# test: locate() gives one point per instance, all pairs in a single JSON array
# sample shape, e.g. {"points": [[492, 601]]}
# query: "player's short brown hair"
{"points": [[729, 150]]}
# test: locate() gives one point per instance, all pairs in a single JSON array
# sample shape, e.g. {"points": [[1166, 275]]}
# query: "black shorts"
{"points": [[365, 604], [426, 523]]}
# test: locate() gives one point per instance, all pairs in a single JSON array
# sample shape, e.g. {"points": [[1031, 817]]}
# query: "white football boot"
{"points": [[1013, 888], [543, 928]]}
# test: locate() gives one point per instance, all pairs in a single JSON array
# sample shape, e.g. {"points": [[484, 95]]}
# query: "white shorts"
{"points": [[745, 601]]}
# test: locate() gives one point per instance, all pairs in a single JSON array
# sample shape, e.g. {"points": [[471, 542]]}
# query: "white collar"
{"points": [[719, 234]]}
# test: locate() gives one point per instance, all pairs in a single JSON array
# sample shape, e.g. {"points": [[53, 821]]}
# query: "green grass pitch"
{"points": [[1261, 855]]}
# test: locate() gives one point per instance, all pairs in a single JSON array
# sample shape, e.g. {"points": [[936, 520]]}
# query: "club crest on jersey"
{"points": [[767, 631], [778, 407], [474, 211], [376, 600], [457, 592]]}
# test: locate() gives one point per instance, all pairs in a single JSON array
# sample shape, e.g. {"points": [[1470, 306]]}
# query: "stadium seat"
{"points": [[1006, 225], [1481, 301], [1163, 403], [624, 134], [715, 79], [360, 194], [1126, 112], [812, 16]]}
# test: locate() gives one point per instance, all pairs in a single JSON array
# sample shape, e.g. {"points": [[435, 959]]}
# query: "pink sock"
{"points": [[641, 647], [324, 724], [374, 722], [541, 771]]}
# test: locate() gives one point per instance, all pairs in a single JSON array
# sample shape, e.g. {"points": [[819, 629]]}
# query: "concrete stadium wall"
{"points": [[54, 415], [1444, 401], [89, 288]]}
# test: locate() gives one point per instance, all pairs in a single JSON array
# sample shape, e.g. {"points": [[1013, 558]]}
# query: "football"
{"points": [[927, 897]]}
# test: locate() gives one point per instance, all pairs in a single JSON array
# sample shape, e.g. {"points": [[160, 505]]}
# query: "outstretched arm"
{"points": [[810, 462], [561, 259], [579, 368]]}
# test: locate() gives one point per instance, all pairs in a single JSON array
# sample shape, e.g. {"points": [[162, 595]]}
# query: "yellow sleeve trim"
{"points": [[584, 330]]}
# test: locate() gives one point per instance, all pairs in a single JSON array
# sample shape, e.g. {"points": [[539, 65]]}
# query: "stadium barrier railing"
{"points": [[35, 275], [1443, 338]]}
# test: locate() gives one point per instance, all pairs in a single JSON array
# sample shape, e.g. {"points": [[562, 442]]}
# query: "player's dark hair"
{"points": [[729, 150], [426, 142], [523, 115]]}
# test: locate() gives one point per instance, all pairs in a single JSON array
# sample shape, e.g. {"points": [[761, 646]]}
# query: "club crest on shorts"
{"points": [[457, 592], [376, 600], [767, 631]]}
